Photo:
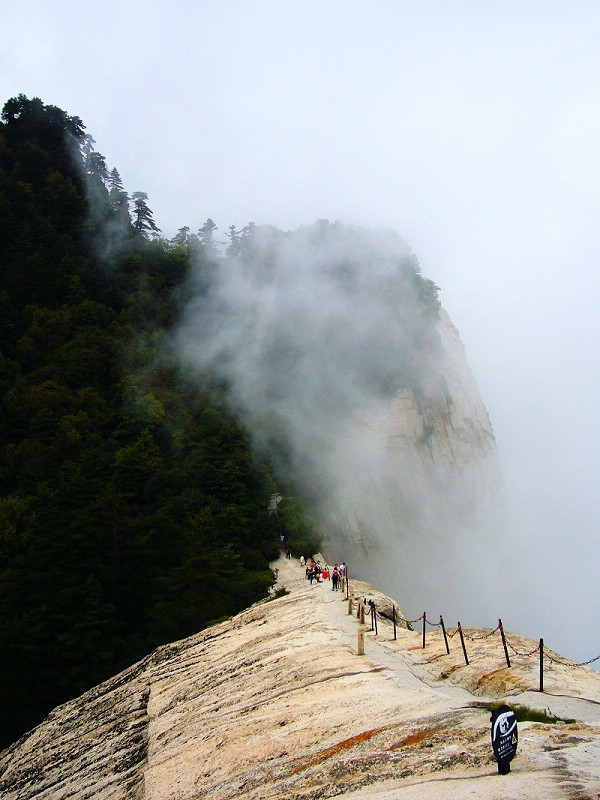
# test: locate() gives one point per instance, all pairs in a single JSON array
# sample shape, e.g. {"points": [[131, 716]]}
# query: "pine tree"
{"points": [[143, 221], [116, 191], [234, 248], [205, 234], [95, 166]]}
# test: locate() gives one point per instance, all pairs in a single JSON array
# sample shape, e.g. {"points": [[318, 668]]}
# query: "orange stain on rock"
{"points": [[346, 744]]}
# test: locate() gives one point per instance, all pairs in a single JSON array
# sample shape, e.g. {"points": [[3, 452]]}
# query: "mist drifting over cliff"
{"points": [[335, 349]]}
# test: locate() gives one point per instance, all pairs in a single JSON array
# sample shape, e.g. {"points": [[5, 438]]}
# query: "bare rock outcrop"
{"points": [[419, 483], [275, 703]]}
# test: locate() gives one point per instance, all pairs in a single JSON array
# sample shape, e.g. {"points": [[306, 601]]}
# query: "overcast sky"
{"points": [[471, 128]]}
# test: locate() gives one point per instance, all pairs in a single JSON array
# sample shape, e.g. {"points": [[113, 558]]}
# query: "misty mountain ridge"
{"points": [[277, 704], [155, 392], [338, 355]]}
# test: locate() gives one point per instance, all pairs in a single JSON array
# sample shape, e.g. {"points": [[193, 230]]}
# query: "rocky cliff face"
{"points": [[421, 485], [333, 346], [277, 704], [455, 424]]}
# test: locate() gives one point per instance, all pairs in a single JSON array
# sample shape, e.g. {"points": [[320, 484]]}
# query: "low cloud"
{"points": [[331, 340]]}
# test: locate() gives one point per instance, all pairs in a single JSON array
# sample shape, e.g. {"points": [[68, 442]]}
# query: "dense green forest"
{"points": [[132, 507]]}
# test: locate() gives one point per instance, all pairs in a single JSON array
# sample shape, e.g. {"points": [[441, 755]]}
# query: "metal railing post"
{"points": [[462, 641], [501, 629], [445, 636]]}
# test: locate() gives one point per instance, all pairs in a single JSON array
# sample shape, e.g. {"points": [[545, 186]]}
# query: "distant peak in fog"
{"points": [[332, 343]]}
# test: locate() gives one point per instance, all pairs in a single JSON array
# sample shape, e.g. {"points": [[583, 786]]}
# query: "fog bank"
{"points": [[334, 348]]}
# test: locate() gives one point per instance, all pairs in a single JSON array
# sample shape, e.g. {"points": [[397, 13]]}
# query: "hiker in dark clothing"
{"points": [[335, 579]]}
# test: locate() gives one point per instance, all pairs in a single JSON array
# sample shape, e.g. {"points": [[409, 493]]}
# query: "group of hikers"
{"points": [[317, 572]]}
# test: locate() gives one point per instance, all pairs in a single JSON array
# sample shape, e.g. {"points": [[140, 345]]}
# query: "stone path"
{"points": [[554, 761], [276, 704]]}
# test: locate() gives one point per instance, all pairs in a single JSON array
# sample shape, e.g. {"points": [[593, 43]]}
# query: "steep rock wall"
{"points": [[423, 489]]}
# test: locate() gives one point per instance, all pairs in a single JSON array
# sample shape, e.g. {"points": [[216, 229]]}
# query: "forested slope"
{"points": [[132, 509]]}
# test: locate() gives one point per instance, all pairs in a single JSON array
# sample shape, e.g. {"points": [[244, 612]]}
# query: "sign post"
{"points": [[504, 737]]}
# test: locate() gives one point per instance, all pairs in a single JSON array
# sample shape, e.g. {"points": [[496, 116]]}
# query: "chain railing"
{"points": [[567, 663], [448, 634]]}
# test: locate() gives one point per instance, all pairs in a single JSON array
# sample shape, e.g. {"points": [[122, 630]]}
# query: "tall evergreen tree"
{"points": [[143, 221], [234, 248], [119, 200], [206, 234], [95, 165]]}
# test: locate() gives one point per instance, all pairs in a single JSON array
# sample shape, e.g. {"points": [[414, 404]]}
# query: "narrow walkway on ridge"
{"points": [[426, 669]]}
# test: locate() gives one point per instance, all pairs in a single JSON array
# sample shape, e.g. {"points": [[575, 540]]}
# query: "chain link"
{"points": [[398, 618], [519, 653], [564, 663], [409, 621], [450, 635], [478, 638]]}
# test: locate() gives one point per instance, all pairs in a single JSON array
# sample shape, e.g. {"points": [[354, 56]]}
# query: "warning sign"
{"points": [[505, 737]]}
